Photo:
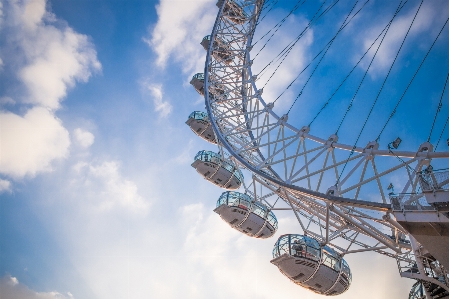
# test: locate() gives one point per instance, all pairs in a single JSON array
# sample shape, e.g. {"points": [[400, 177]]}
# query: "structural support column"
{"points": [[418, 259]]}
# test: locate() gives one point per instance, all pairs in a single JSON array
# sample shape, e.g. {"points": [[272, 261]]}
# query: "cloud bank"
{"points": [[46, 57]]}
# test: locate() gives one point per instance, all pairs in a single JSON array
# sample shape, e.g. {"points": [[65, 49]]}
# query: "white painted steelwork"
{"points": [[292, 164]]}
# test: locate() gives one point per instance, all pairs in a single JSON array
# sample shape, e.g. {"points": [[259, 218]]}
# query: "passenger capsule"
{"points": [[233, 12], [308, 264], [221, 50], [244, 214], [215, 169], [216, 91], [200, 124], [198, 83]]}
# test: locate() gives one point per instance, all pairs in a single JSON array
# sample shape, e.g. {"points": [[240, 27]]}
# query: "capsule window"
{"points": [[313, 253], [331, 261], [282, 246], [272, 220], [345, 269], [244, 203], [259, 211]]}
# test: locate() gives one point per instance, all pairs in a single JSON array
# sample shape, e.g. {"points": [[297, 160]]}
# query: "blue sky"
{"points": [[98, 199]]}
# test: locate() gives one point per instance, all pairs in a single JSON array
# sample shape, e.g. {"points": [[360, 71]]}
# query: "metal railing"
{"points": [[409, 202], [434, 180], [432, 268]]}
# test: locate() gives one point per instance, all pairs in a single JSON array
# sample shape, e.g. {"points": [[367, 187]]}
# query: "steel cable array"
{"points": [[290, 169]]}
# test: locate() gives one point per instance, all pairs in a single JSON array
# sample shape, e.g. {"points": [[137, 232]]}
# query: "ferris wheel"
{"points": [[340, 191]]}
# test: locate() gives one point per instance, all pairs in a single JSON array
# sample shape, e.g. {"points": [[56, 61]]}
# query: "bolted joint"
{"points": [[331, 140], [304, 130], [269, 107], [283, 119]]}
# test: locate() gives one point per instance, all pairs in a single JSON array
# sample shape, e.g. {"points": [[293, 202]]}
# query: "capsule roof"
{"points": [[199, 76], [199, 115]]}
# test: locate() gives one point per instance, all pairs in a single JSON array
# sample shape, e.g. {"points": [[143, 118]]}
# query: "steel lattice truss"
{"points": [[297, 167]]}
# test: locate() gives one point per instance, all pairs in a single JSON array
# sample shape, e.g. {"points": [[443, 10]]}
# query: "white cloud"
{"points": [[106, 188], [163, 107], [30, 143], [52, 55], [12, 280], [33, 13], [5, 186], [180, 28], [12, 289], [430, 14], [84, 138], [47, 58], [63, 58]]}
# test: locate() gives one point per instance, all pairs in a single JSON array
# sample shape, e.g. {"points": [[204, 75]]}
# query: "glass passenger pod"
{"points": [[198, 83], [318, 268], [216, 91], [233, 11], [221, 50], [200, 124], [242, 213], [218, 171]]}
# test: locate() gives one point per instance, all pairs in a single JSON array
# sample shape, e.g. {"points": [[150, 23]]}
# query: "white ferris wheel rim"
{"points": [[418, 155]]}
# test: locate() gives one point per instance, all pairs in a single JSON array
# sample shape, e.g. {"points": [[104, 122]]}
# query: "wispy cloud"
{"points": [[179, 30], [5, 186], [164, 108], [431, 13], [11, 288]]}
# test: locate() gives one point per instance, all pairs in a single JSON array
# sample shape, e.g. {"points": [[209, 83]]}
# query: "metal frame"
{"points": [[298, 167]]}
